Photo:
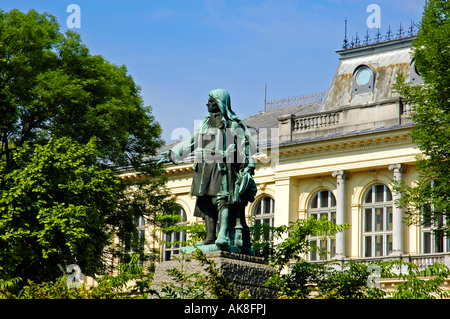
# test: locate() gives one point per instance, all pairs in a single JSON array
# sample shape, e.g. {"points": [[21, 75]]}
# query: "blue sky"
{"points": [[178, 51]]}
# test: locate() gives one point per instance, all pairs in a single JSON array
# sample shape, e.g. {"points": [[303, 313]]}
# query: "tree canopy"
{"points": [[69, 122], [51, 86], [429, 199]]}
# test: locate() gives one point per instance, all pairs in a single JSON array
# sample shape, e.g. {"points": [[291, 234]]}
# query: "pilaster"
{"points": [[341, 176], [397, 211]]}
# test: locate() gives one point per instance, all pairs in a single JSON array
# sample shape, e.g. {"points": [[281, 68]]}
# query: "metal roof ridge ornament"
{"points": [[367, 40], [294, 102]]}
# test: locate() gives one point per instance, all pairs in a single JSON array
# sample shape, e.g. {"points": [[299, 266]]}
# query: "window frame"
{"points": [[437, 243], [169, 250], [266, 207], [378, 232], [317, 209], [368, 87]]}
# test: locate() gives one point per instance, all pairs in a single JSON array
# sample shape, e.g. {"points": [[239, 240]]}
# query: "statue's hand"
{"points": [[230, 150], [167, 158]]}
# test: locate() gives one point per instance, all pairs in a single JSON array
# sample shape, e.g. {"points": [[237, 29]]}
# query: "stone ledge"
{"points": [[229, 251]]}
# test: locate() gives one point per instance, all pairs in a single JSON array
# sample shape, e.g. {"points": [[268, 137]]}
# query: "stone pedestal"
{"points": [[214, 247], [245, 271]]}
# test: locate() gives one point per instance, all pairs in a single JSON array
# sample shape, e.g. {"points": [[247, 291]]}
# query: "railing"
{"points": [[421, 260], [293, 102], [321, 120], [405, 107], [356, 41]]}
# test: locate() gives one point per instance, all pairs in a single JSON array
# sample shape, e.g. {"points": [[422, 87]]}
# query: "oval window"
{"points": [[363, 76]]}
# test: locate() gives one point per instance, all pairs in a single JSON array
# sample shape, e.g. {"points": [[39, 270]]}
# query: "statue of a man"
{"points": [[223, 169]]}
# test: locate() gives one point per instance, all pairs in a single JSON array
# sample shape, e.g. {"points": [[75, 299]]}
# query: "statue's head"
{"points": [[222, 98], [212, 105]]}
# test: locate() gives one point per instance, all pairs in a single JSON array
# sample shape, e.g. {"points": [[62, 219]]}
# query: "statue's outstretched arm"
{"points": [[180, 150]]}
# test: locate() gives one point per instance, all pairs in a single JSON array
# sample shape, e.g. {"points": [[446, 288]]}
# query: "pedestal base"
{"points": [[245, 271], [214, 247]]}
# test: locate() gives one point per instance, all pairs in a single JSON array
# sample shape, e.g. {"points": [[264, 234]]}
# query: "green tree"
{"points": [[50, 85], [147, 198], [431, 117], [303, 275], [297, 243], [130, 283], [345, 280], [419, 284], [56, 210], [70, 123]]}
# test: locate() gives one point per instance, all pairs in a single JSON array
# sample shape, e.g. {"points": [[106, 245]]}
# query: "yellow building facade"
{"points": [[337, 155]]}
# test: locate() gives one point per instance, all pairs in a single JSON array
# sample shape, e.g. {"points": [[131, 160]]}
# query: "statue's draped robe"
{"points": [[223, 148]]}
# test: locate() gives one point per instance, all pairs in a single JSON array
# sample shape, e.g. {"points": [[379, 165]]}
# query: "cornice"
{"points": [[343, 145], [292, 152], [174, 170], [170, 170]]}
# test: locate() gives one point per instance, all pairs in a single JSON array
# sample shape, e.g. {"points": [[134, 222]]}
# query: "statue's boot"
{"points": [[210, 224], [222, 236]]}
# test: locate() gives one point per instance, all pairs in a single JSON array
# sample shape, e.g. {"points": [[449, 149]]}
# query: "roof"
{"points": [[270, 118], [387, 59]]}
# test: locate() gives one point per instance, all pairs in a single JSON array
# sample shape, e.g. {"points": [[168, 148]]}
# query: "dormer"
{"points": [[365, 74]]}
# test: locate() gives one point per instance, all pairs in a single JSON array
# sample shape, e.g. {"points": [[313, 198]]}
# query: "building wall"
{"points": [[358, 137], [298, 175]]}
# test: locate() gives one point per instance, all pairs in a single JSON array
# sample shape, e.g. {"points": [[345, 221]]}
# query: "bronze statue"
{"points": [[223, 169]]}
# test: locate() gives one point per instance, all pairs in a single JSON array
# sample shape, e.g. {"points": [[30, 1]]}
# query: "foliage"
{"points": [[298, 282], [262, 238], [55, 210], [141, 198], [345, 280], [416, 283], [130, 282], [297, 243], [50, 85], [7, 287], [303, 277], [219, 287], [431, 116], [62, 208], [69, 120], [51, 290], [195, 232]]}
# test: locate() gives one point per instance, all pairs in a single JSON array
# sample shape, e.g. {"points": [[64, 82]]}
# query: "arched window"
{"points": [[263, 214], [172, 240], [323, 205], [136, 242], [377, 221], [434, 239], [264, 211]]}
